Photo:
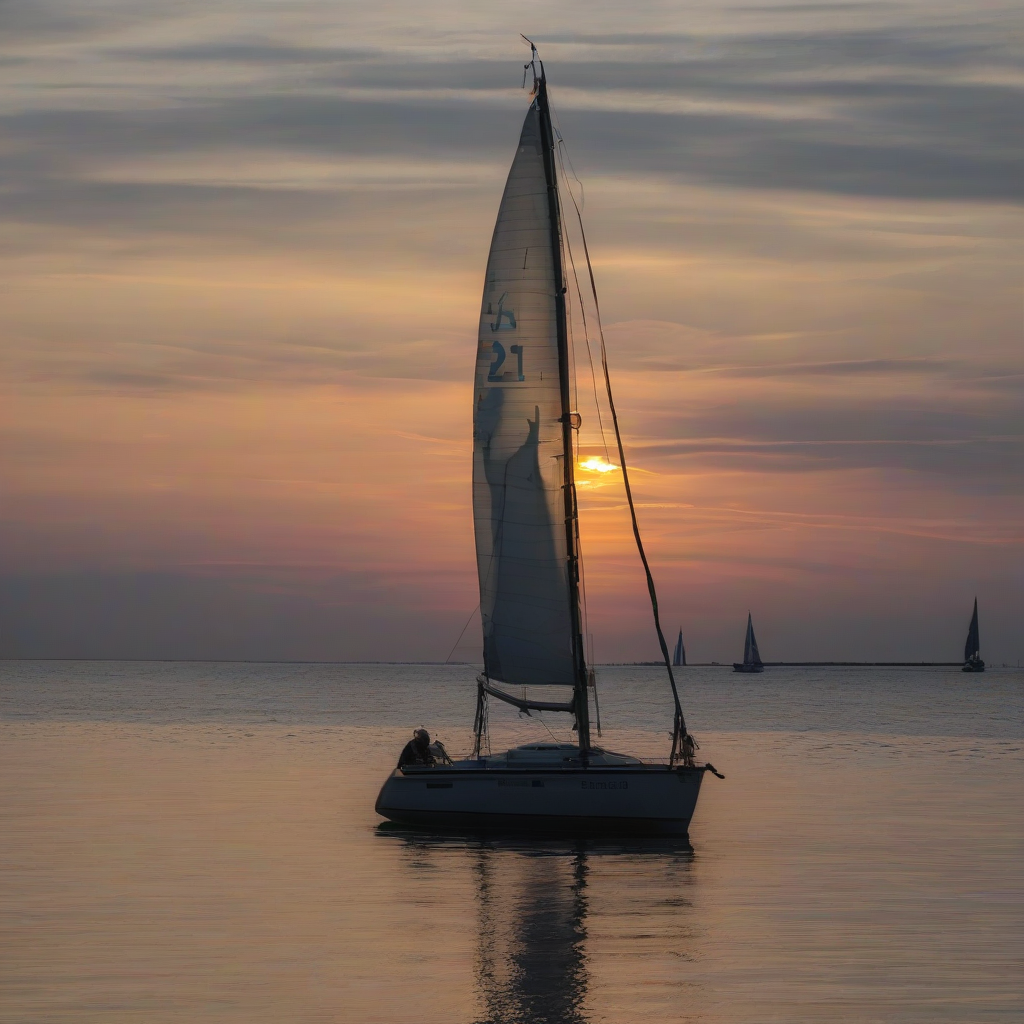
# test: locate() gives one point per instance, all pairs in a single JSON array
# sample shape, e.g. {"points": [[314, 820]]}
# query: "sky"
{"points": [[241, 256]]}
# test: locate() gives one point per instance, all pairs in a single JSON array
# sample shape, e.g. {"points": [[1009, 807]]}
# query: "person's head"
{"points": [[421, 738]]}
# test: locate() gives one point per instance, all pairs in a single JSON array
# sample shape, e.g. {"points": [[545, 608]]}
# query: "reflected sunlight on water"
{"points": [[204, 867]]}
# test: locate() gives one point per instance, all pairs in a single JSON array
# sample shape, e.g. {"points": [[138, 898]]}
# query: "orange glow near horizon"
{"points": [[238, 345]]}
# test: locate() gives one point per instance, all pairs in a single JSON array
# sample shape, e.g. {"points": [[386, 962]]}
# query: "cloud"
{"points": [[261, 53], [787, 424], [242, 252], [841, 368], [925, 111], [966, 461]]}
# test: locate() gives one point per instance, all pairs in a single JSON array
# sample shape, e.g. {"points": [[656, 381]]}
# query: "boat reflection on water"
{"points": [[531, 964], [533, 899]]}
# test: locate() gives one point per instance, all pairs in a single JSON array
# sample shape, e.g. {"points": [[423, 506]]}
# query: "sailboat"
{"points": [[751, 656], [972, 649], [529, 556], [679, 654]]}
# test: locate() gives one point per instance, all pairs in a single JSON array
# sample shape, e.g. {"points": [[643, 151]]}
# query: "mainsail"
{"points": [[751, 655], [527, 599], [524, 494], [679, 654], [972, 649]]}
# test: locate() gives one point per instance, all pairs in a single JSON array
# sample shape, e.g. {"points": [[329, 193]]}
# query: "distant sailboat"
{"points": [[751, 655], [972, 649], [679, 654]]}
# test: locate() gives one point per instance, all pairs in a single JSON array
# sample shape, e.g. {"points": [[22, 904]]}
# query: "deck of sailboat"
{"points": [[489, 768], [547, 758]]}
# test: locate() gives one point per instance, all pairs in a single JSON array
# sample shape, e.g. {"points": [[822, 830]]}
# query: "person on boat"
{"points": [[417, 750], [689, 748]]}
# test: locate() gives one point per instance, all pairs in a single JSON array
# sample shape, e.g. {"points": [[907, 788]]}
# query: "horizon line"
{"points": [[470, 664]]}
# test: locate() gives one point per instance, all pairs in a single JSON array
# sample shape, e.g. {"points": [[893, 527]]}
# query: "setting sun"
{"points": [[598, 465]]}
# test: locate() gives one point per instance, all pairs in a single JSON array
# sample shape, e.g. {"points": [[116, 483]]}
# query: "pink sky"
{"points": [[241, 271]]}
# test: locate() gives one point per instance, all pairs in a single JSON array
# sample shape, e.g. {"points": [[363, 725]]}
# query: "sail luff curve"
{"points": [[518, 452]]}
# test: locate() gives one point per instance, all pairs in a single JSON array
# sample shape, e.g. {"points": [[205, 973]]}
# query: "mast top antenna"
{"points": [[533, 64]]}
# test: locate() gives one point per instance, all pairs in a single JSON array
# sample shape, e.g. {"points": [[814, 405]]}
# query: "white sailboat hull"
{"points": [[635, 799]]}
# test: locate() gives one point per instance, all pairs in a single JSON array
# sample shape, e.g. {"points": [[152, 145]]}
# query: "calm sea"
{"points": [[197, 842]]}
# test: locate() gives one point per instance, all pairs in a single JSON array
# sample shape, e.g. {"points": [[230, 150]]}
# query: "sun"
{"points": [[598, 465]]}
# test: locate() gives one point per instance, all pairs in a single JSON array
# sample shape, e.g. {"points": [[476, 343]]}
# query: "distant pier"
{"points": [[808, 664]]}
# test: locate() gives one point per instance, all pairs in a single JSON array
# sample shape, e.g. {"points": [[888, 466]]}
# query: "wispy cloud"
{"points": [[242, 251], [841, 368]]}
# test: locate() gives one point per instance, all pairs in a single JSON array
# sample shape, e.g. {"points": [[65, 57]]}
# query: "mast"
{"points": [[580, 695]]}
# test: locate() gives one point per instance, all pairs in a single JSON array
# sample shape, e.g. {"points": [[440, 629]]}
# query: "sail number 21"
{"points": [[494, 373]]}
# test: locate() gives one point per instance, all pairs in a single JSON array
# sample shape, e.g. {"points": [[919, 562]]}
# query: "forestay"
{"points": [[517, 435]]}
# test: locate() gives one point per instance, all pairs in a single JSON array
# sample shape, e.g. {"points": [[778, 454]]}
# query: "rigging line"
{"points": [[586, 333], [583, 584], [681, 721], [540, 718], [580, 565], [582, 588], [574, 386], [580, 700], [561, 142], [462, 634], [569, 325], [572, 340]]}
